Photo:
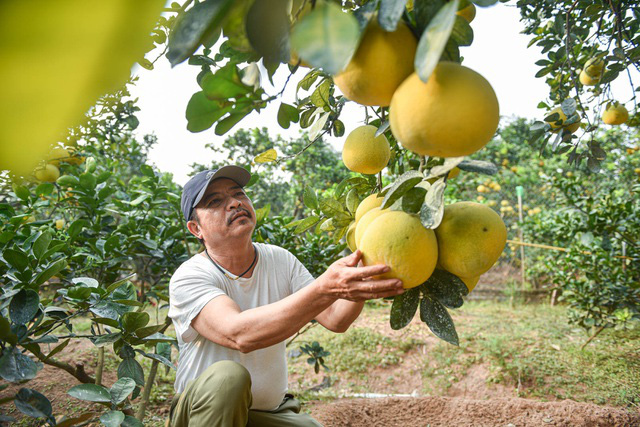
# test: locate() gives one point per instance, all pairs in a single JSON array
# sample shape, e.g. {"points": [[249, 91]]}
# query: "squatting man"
{"points": [[234, 304]]}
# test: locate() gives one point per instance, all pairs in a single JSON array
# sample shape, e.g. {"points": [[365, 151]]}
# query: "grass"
{"points": [[532, 349]]}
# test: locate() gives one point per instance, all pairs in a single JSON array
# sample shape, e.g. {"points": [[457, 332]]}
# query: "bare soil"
{"points": [[458, 411]]}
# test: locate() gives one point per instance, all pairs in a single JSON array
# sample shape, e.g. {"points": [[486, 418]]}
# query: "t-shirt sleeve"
{"points": [[190, 289], [300, 276]]}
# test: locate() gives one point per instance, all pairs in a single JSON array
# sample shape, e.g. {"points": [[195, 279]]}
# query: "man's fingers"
{"points": [[376, 288], [371, 270], [353, 259]]}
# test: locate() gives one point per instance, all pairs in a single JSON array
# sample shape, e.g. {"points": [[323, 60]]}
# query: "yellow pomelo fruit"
{"points": [[468, 13], [381, 63], [587, 80], [470, 282], [454, 114], [615, 114], [368, 203], [48, 173], [57, 154], [594, 67], [365, 221], [471, 237], [351, 237], [363, 152], [399, 240], [558, 125]]}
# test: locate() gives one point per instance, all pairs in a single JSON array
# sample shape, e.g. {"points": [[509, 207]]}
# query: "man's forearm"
{"points": [[340, 315]]}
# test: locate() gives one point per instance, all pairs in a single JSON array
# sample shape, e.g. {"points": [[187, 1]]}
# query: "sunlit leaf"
{"points": [[271, 155], [434, 39], [326, 38]]}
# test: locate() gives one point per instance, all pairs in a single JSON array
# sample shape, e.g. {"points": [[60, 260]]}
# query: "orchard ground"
{"points": [[516, 365]]}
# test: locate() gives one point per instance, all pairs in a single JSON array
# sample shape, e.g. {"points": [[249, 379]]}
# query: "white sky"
{"points": [[499, 52]]}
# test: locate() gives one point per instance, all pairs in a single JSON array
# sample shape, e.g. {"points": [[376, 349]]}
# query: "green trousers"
{"points": [[221, 397]]}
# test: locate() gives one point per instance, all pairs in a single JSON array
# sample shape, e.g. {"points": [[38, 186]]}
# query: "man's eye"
{"points": [[214, 201], [240, 193]]}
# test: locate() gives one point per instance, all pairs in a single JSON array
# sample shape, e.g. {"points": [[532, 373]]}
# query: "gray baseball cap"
{"points": [[195, 188]]}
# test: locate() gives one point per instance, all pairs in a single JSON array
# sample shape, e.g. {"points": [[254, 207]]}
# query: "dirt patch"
{"points": [[454, 411]]}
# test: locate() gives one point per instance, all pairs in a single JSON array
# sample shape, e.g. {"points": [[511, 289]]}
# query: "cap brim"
{"points": [[235, 173]]}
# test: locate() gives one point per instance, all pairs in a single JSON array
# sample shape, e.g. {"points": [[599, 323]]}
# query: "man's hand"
{"points": [[345, 280]]}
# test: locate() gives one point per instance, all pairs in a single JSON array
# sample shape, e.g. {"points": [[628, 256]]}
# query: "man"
{"points": [[234, 305]]}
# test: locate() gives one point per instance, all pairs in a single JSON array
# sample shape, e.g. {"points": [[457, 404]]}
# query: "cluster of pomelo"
{"points": [[455, 113], [614, 113], [468, 241], [49, 171]]}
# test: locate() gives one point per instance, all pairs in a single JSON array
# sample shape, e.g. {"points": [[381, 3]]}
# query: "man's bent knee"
{"points": [[230, 377]]}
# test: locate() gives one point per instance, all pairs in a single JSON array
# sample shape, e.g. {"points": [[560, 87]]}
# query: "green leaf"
{"points": [[52, 269], [202, 113], [33, 404], [130, 421], [88, 181], [138, 200], [413, 199], [287, 114], [230, 121], [148, 330], [424, 11], [479, 166], [331, 207], [160, 359], [305, 224], [16, 258], [484, 3], [436, 316], [390, 13], [68, 422], [158, 338], [112, 418], [129, 367], [121, 389], [90, 282], [404, 308], [326, 38], [58, 349], [432, 209], [76, 227], [404, 183], [41, 244], [267, 27], [308, 80], [310, 198], [24, 306], [16, 367], [321, 96], [318, 126], [271, 155], [68, 181], [446, 288], [462, 33], [91, 393], [134, 320], [44, 189], [224, 84], [107, 339], [352, 200], [434, 39], [5, 332], [22, 192], [338, 128], [194, 27], [263, 212]]}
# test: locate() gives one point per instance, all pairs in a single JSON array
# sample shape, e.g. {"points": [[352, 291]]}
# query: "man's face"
{"points": [[225, 211]]}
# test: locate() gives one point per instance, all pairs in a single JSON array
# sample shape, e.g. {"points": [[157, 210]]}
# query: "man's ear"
{"points": [[194, 228]]}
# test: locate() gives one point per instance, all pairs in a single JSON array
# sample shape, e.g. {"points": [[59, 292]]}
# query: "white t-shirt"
{"points": [[197, 281]]}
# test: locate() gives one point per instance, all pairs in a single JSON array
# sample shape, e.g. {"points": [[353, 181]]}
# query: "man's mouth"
{"points": [[239, 214]]}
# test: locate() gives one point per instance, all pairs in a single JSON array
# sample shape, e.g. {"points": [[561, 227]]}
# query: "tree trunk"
{"points": [[142, 407]]}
